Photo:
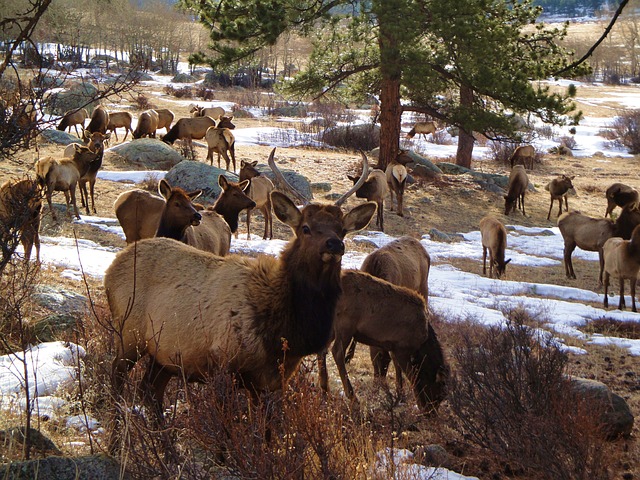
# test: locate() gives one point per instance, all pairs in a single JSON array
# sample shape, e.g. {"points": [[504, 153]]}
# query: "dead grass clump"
{"points": [[614, 328], [511, 398], [203, 92], [150, 182]]}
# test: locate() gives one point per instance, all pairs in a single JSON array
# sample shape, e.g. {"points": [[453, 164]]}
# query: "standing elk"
{"points": [[622, 261], [213, 112], [189, 129], [558, 189], [165, 118], [193, 311], [220, 140], [621, 195], [99, 120], [374, 189], [422, 128], [522, 154], [147, 124], [260, 190], [20, 206], [396, 174], [518, 184], [73, 118], [393, 318], [120, 120], [494, 239]]}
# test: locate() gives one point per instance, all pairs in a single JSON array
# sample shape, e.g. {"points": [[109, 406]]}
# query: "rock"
{"points": [[321, 186], [60, 301], [615, 414], [434, 455], [194, 175], [56, 136], [423, 162], [240, 113], [55, 326], [147, 153], [92, 467], [297, 181], [183, 78], [438, 236], [78, 95], [13, 439]]}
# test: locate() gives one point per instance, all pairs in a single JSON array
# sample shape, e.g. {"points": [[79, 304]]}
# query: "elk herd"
{"points": [[178, 297]]}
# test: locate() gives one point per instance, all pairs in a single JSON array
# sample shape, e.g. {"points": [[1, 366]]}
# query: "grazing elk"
{"points": [[73, 118], [99, 120], [20, 206], [260, 190], [220, 140], [147, 124], [374, 189], [588, 233], [393, 318], [522, 154], [238, 310], [422, 128], [120, 120], [213, 112], [188, 129], [558, 189], [494, 239], [403, 262], [621, 195], [396, 180], [62, 175], [518, 184], [622, 261]]}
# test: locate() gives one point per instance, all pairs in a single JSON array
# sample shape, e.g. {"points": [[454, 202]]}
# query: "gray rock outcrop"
{"points": [[147, 154]]}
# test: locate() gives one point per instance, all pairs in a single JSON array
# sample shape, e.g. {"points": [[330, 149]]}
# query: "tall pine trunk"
{"points": [[465, 138]]}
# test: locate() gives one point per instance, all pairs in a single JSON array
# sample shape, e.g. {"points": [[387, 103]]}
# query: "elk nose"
{"points": [[197, 216], [335, 246]]}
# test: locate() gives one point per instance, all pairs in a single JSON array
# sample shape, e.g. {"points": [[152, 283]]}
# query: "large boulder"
{"points": [[56, 136], [91, 467], [194, 175], [78, 95], [147, 154], [297, 181]]}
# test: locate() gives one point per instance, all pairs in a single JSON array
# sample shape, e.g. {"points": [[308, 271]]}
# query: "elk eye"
{"points": [[306, 230]]}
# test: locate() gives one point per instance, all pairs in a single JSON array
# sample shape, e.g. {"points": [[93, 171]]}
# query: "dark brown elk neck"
{"points": [[170, 229]]}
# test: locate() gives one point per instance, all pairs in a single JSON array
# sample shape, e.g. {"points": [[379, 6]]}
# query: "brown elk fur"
{"points": [[588, 233], [399, 323], [192, 311], [375, 189], [147, 124], [165, 118], [73, 118], [120, 120], [260, 190], [213, 112], [518, 184], [178, 212], [621, 195], [558, 189], [189, 128], [422, 128], [522, 154], [99, 120], [396, 180], [494, 239], [622, 261], [220, 140], [62, 175], [20, 206]]}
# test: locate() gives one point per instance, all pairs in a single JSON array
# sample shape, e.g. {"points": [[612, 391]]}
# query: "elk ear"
{"points": [[107, 136], [242, 163], [359, 217], [85, 135], [195, 194], [223, 182], [285, 209], [352, 178], [77, 147], [164, 189], [244, 184], [254, 163]]}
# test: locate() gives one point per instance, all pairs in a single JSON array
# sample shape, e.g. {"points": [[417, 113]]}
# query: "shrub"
{"points": [[141, 102], [627, 130], [500, 151], [511, 397], [182, 92], [569, 142]]}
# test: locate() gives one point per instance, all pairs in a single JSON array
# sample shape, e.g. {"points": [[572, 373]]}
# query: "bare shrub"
{"points": [[441, 137], [182, 92], [568, 142], [500, 151], [627, 130], [355, 137], [150, 182], [203, 92], [545, 131], [511, 397], [141, 102]]}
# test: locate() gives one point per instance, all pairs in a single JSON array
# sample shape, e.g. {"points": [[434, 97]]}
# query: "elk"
{"points": [[403, 262], [522, 154], [238, 311], [588, 233], [147, 124], [559, 188], [20, 206], [518, 184], [26, 121], [260, 190], [120, 120], [62, 175], [213, 112], [165, 118], [422, 128], [399, 324], [139, 212], [73, 118], [494, 239], [622, 261], [221, 140], [374, 189], [95, 143], [99, 120], [189, 128], [396, 179], [621, 195]]}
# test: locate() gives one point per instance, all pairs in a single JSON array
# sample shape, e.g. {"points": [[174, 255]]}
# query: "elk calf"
{"points": [[220, 140], [559, 188], [622, 261], [374, 189], [260, 190], [518, 184], [494, 239]]}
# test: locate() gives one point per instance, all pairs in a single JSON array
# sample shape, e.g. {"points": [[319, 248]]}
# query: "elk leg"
{"points": [[622, 304], [232, 150], [568, 264], [484, 260], [380, 359], [566, 203], [337, 351], [269, 216], [524, 214], [550, 207], [92, 184], [633, 294], [323, 377], [605, 302], [72, 191], [601, 260], [49, 192], [120, 368], [265, 214], [249, 223], [210, 157], [560, 205]]}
